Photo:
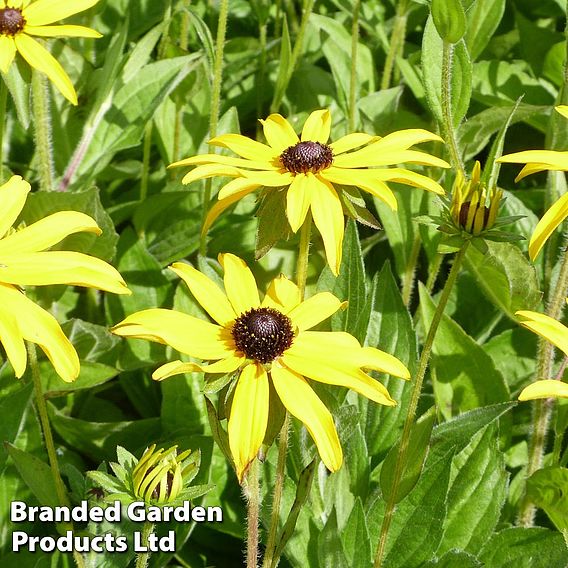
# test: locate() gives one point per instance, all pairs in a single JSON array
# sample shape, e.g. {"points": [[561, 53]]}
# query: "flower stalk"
{"points": [[413, 405], [42, 130], [353, 79], [3, 102], [143, 558], [252, 491], [396, 43]]}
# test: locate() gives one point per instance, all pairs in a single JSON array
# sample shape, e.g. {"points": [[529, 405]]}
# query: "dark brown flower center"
{"points": [[11, 21], [306, 157], [263, 334]]}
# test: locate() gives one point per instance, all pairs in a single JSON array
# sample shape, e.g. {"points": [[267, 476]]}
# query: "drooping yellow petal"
{"points": [[240, 284], [236, 187], [547, 225], [563, 110], [317, 127], [183, 332], [225, 160], [12, 340], [207, 293], [314, 310], [210, 170], [62, 31], [61, 267], [13, 195], [223, 204], [40, 327], [373, 358], [298, 198], [303, 403], [282, 295], [47, 232], [532, 168], [180, 367], [39, 58], [328, 217], [7, 52], [351, 141], [544, 389], [249, 416], [279, 133], [45, 12], [245, 147], [547, 327]]}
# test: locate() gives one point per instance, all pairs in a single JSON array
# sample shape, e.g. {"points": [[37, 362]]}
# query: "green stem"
{"points": [[434, 271], [146, 160], [143, 557], [271, 558], [396, 44], [413, 405], [215, 103], [542, 409], [42, 124], [41, 406], [260, 78], [353, 79], [3, 117], [450, 132], [408, 282], [253, 507]]}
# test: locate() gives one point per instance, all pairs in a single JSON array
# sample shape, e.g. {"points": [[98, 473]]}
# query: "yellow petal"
{"points": [[328, 218], [223, 204], [547, 225], [302, 402], [555, 160], [210, 170], [207, 293], [249, 416], [12, 340], [351, 141], [180, 367], [317, 127], [367, 180], [282, 295], [183, 332], [314, 310], [279, 133], [48, 11], [271, 179], [545, 389], [225, 160], [547, 327], [404, 139], [240, 284], [372, 358], [563, 110], [370, 156], [298, 198], [408, 177], [532, 168], [61, 267], [39, 58], [62, 31], [7, 52], [245, 147], [13, 195], [236, 187], [40, 327], [47, 232]]}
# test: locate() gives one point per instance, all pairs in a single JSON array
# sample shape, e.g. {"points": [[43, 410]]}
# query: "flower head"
{"points": [[538, 161], [268, 340], [24, 261], [555, 332], [314, 170], [21, 19]]}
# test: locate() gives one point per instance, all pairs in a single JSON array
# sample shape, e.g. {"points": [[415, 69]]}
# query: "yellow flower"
{"points": [[538, 161], [314, 171], [557, 334], [20, 19], [24, 261], [262, 339]]}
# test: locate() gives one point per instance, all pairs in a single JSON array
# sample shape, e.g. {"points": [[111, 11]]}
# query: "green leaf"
{"points": [[525, 548], [13, 409], [416, 454], [284, 66], [355, 537], [455, 559], [506, 277], [483, 19], [464, 376], [449, 18], [19, 90], [91, 375], [548, 489], [273, 225], [330, 547]]}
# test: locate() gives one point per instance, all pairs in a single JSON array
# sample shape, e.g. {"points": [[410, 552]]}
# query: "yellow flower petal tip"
{"points": [[544, 389]]}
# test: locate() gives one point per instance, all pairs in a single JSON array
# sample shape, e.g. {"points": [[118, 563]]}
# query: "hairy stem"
{"points": [[143, 558], [396, 43], [3, 101], [253, 506], [353, 79], [42, 130], [410, 270]]}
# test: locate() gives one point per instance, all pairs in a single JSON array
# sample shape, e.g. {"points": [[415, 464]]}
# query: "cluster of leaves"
{"points": [[145, 94]]}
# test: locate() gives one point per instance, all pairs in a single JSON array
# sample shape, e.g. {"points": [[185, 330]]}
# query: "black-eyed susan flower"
{"points": [[313, 170], [538, 161], [557, 334], [268, 340], [24, 261], [21, 19]]}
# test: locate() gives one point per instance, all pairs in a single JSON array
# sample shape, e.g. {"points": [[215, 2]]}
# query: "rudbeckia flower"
{"points": [[268, 340], [555, 332], [21, 19], [313, 170], [24, 261], [539, 161]]}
